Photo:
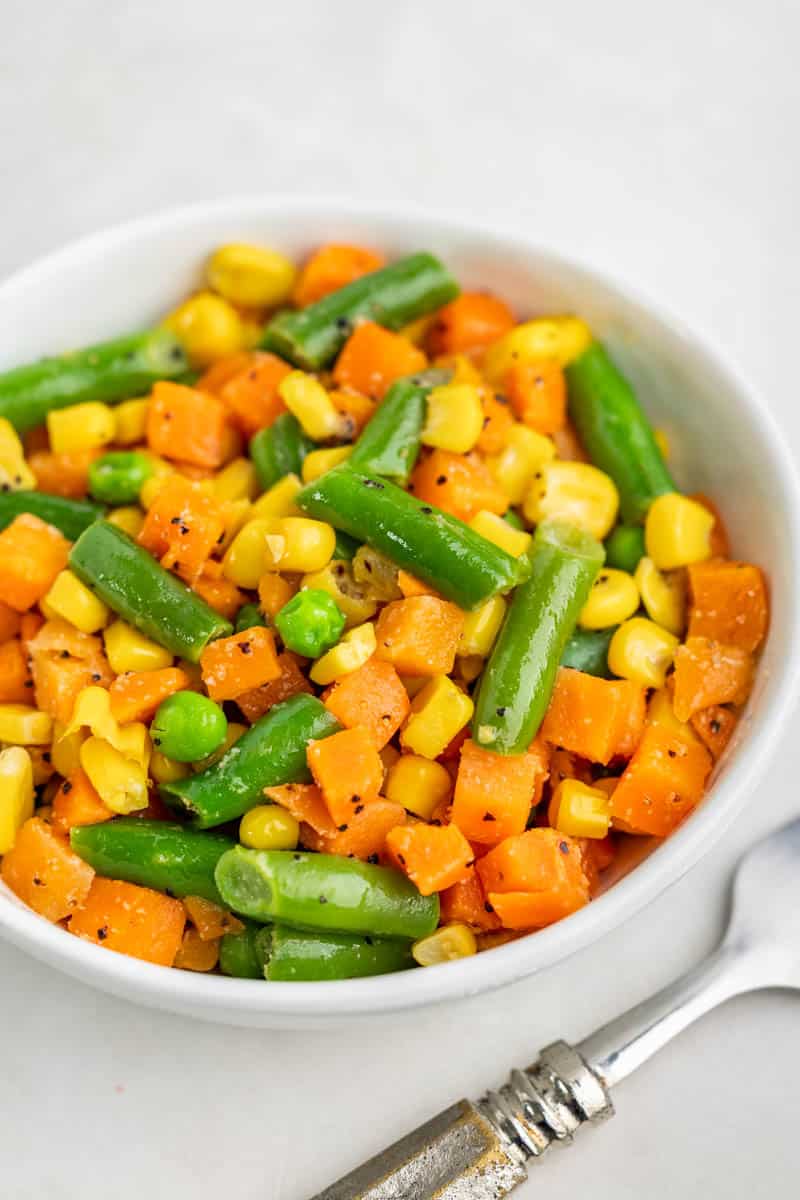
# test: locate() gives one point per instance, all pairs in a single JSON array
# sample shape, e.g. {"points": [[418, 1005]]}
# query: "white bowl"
{"points": [[723, 442]]}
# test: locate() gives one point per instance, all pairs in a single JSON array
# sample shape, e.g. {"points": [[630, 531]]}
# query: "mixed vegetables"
{"points": [[347, 624]]}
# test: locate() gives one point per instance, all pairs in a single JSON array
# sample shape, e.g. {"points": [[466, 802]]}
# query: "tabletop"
{"points": [[658, 142]]}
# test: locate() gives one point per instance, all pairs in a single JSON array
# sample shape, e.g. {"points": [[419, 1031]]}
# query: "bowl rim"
{"points": [[223, 999]]}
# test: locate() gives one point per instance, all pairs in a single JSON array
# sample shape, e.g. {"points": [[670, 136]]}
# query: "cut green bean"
{"points": [[279, 450], [393, 296], [132, 583], [110, 371], [324, 891], [239, 954], [517, 683], [248, 616], [302, 956], [587, 650], [624, 547], [269, 753], [70, 516], [434, 546], [616, 432], [154, 854], [345, 547], [390, 444]]}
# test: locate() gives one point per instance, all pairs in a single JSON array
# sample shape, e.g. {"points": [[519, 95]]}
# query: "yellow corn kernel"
{"points": [[65, 752], [80, 427], [92, 710], [16, 794], [153, 484], [642, 651], [562, 338], [454, 417], [119, 782], [166, 770], [246, 558], [207, 327], [663, 596], [413, 684], [238, 481], [481, 627], [352, 598], [129, 650], [660, 712], [21, 725], [130, 421], [130, 518], [279, 500], [447, 944], [677, 531], [575, 492], [15, 473], [306, 399], [355, 647], [495, 529], [72, 600], [234, 732], [235, 514], [438, 712], [319, 461], [662, 441], [468, 667], [299, 544], [463, 368], [417, 331], [579, 810], [251, 276], [614, 597], [524, 453], [269, 827], [419, 784]]}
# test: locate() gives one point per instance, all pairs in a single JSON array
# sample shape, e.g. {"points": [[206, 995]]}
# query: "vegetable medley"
{"points": [[347, 624]]}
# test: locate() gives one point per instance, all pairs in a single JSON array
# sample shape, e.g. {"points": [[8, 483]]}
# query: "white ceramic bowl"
{"points": [[723, 442]]}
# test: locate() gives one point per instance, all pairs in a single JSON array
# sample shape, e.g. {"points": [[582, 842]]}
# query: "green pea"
{"points": [[248, 616], [624, 547], [188, 727], [117, 477], [310, 623]]}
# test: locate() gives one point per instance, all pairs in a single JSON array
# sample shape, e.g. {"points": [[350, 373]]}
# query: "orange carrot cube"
{"points": [[252, 394], [332, 267], [728, 603], [132, 920], [239, 663], [595, 718], [77, 803], [372, 697], [534, 878], [16, 685], [495, 792], [183, 526], [460, 484], [290, 682], [434, 857], [373, 357], [470, 322], [45, 873], [32, 553], [538, 394], [187, 425], [348, 769], [709, 673], [136, 695], [419, 635], [661, 784]]}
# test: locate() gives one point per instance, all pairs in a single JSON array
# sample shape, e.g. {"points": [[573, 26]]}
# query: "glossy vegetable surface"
{"points": [[70, 516], [297, 955], [390, 444]]}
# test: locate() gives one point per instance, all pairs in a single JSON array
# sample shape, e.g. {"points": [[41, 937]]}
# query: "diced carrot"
{"points": [[373, 357], [77, 803], [373, 697], [186, 425], [63, 662], [182, 527], [470, 322], [132, 920], [273, 592], [728, 603], [220, 594], [598, 854], [538, 394], [569, 446], [16, 685], [217, 375], [452, 751], [708, 673], [252, 395], [364, 836], [595, 718], [45, 873], [10, 622], [348, 769], [534, 878], [565, 765], [304, 801], [196, 953], [29, 625], [720, 542], [714, 726], [661, 784], [63, 474], [495, 792], [357, 408], [35, 439], [411, 586], [332, 267], [32, 553], [291, 682], [136, 695], [239, 663], [497, 422], [419, 635], [434, 857], [466, 901], [209, 919], [43, 769], [460, 484]]}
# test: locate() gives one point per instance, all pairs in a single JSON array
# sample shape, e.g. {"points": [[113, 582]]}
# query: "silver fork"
{"points": [[480, 1151]]}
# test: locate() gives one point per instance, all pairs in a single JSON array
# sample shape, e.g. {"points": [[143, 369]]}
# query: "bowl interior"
{"points": [[721, 443]]}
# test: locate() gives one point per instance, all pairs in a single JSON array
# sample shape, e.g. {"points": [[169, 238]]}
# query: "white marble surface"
{"points": [[661, 142]]}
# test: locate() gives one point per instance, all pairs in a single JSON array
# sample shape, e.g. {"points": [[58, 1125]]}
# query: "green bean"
{"points": [[624, 547], [239, 955], [390, 444], [587, 650], [70, 516], [279, 450], [296, 955]]}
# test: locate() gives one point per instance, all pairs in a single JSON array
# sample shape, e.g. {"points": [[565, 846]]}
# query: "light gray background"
{"points": [[658, 140]]}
